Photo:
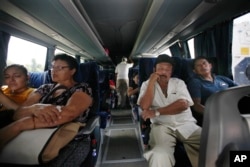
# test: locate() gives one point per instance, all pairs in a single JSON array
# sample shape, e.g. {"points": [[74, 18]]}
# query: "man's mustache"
{"points": [[162, 75]]}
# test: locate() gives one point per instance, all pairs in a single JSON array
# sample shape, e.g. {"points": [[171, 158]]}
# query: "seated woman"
{"points": [[14, 92], [52, 104]]}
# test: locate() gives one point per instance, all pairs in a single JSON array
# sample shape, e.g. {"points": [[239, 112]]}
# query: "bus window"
{"points": [[59, 51], [29, 54], [167, 52], [241, 49], [191, 47]]}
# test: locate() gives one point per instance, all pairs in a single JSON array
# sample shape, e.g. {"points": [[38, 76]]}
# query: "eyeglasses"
{"points": [[58, 68]]}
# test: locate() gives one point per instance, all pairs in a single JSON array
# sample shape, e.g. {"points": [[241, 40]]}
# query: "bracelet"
{"points": [[157, 113]]}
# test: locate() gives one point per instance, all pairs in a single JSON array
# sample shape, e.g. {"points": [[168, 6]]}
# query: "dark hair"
{"points": [[199, 58], [164, 58], [19, 67], [134, 74], [71, 61], [124, 59]]}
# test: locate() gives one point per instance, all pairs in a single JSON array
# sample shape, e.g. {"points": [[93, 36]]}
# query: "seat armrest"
{"points": [[91, 124]]}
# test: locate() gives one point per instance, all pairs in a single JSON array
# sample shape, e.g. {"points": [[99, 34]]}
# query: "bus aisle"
{"points": [[122, 144]]}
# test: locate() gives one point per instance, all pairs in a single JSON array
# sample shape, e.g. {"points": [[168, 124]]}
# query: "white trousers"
{"points": [[163, 140]]}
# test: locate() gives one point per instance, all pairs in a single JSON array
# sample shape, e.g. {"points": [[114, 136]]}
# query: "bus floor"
{"points": [[122, 144]]}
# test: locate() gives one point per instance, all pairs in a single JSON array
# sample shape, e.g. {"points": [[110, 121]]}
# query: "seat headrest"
{"points": [[39, 78], [102, 76], [146, 66], [89, 72]]}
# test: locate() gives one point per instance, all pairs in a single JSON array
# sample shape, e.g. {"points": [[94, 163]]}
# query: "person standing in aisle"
{"points": [[122, 79]]}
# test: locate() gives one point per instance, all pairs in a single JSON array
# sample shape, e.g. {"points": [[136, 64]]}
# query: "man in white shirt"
{"points": [[122, 79], [166, 102]]}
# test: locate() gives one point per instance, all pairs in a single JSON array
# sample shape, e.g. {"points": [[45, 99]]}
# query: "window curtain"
{"points": [[49, 57], [223, 40], [176, 50], [4, 42], [180, 49], [217, 42]]}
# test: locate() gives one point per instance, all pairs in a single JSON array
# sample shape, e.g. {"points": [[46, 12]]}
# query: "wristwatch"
{"points": [[157, 113]]}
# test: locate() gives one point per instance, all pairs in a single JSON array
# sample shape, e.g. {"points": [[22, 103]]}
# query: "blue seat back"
{"points": [[104, 90], [39, 78], [183, 68], [89, 72], [146, 66]]}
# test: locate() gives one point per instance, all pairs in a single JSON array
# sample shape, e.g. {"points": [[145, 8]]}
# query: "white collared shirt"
{"points": [[122, 70], [184, 122]]}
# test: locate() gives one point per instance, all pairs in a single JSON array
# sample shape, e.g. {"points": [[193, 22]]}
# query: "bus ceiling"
{"points": [[105, 31]]}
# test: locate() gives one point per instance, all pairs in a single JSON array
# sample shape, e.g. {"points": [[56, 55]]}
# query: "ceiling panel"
{"points": [[123, 27]]}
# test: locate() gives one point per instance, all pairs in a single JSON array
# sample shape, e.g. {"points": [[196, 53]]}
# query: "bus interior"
{"points": [[100, 33]]}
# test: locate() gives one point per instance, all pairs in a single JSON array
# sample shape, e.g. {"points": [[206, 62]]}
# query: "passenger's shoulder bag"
{"points": [[40, 145]]}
